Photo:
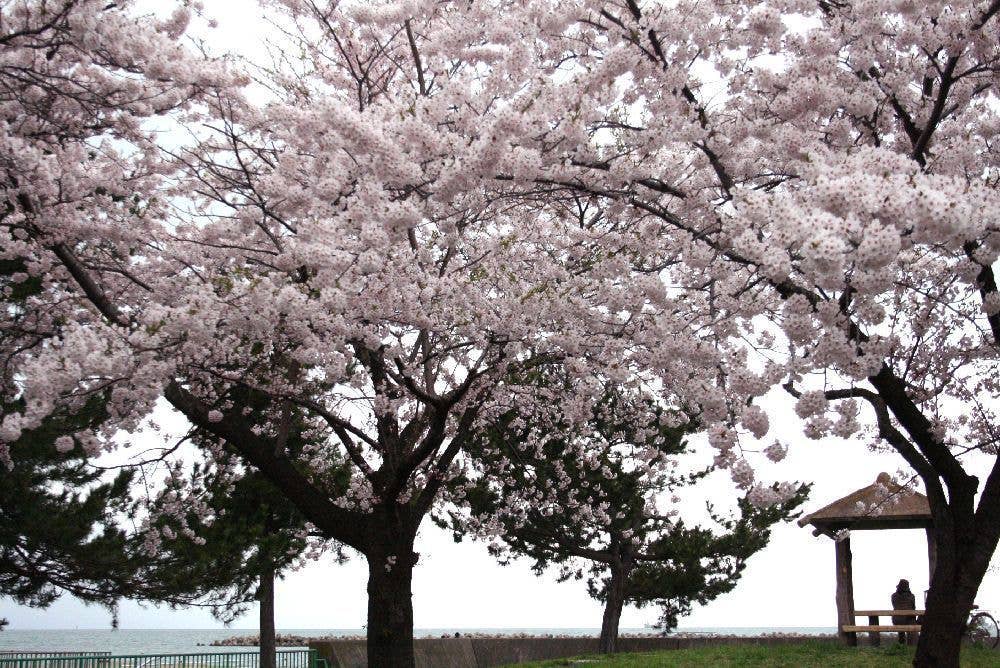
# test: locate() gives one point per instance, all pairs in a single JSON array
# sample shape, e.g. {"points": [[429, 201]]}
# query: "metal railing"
{"points": [[19, 654], [302, 658], [9, 655]]}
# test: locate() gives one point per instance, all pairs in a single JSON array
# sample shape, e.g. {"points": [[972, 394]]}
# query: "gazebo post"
{"points": [[845, 591], [931, 553]]}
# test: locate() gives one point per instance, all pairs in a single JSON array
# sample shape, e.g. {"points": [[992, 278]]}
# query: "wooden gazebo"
{"points": [[881, 505]]}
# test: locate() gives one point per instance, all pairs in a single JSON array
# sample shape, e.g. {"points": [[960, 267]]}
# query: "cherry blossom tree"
{"points": [[831, 167], [364, 250], [79, 169], [73, 179], [366, 247]]}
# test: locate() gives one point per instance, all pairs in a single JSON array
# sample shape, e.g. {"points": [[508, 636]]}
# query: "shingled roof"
{"points": [[881, 505]]}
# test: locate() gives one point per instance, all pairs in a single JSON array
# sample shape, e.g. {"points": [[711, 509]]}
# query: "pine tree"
{"points": [[604, 525], [58, 526]]}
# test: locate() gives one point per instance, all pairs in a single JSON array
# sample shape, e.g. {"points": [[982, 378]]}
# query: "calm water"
{"points": [[181, 641]]}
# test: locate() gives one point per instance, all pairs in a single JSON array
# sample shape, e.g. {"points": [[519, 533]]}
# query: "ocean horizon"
{"points": [[188, 641]]}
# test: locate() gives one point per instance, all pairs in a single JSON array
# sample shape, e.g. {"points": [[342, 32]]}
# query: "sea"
{"points": [[186, 641]]}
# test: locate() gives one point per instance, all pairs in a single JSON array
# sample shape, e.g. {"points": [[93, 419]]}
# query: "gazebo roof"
{"points": [[881, 505]]}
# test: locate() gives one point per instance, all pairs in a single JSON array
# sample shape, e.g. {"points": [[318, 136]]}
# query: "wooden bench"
{"points": [[873, 628]]}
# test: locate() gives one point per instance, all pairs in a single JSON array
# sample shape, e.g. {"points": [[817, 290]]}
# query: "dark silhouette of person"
{"points": [[903, 599]]}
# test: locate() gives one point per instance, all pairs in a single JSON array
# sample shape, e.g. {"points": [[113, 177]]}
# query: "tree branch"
{"points": [[314, 504]]}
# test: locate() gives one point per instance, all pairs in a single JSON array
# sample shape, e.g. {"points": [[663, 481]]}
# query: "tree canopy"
{"points": [[416, 204]]}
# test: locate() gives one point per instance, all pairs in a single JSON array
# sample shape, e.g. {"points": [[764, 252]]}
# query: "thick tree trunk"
{"points": [[613, 608], [265, 594], [957, 575], [947, 611], [390, 600]]}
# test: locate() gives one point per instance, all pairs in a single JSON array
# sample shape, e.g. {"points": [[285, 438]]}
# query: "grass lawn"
{"points": [[804, 655]]}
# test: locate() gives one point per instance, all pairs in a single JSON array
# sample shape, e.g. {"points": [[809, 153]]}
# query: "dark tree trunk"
{"points": [[390, 598], [265, 594], [960, 566], [613, 605]]}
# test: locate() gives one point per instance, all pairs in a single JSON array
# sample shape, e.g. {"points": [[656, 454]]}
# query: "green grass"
{"points": [[804, 655]]}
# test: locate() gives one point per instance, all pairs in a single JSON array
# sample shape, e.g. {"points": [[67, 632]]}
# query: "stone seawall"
{"points": [[491, 652]]}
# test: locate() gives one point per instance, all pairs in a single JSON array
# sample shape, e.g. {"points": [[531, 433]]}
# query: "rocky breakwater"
{"points": [[281, 640]]}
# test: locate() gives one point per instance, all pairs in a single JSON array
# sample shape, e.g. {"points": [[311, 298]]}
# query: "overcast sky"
{"points": [[790, 583]]}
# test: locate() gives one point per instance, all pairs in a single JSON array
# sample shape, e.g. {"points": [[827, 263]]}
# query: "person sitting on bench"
{"points": [[903, 599]]}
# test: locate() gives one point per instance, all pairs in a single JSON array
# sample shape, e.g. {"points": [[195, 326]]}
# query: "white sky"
{"points": [[790, 583]]}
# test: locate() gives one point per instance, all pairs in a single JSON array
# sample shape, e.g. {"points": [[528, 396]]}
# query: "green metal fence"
{"points": [[304, 658], [17, 654]]}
